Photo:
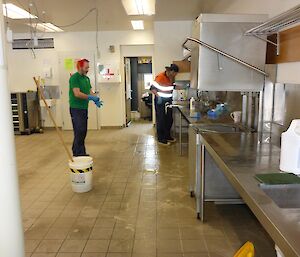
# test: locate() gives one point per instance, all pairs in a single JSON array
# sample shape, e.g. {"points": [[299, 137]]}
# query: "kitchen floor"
{"points": [[139, 207]]}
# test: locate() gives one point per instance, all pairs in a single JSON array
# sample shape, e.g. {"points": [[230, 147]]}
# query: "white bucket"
{"points": [[81, 174]]}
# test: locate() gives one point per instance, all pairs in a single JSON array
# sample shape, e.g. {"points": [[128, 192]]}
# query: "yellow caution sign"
{"points": [[247, 250]]}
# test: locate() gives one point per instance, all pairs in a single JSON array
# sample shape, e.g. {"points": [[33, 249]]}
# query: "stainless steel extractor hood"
{"points": [[214, 71]]}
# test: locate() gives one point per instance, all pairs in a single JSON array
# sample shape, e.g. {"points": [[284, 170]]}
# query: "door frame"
{"points": [[128, 91], [133, 51]]}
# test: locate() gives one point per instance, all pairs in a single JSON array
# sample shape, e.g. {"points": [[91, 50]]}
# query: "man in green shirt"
{"points": [[80, 93]]}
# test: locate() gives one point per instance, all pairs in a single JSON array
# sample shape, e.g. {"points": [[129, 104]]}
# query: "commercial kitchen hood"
{"points": [[224, 59]]}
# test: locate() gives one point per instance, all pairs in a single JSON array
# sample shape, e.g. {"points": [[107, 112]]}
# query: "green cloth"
{"points": [[278, 178], [83, 83]]}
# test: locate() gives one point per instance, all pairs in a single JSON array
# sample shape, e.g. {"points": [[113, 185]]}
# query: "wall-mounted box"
{"points": [[47, 72], [184, 66], [184, 76], [108, 72]]}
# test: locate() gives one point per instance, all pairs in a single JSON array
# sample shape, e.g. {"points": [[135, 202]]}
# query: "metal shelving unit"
{"points": [[15, 112], [25, 112], [275, 25]]}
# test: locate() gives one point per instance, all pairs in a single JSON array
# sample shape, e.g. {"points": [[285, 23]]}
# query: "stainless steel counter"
{"points": [[203, 119], [217, 189], [240, 156]]}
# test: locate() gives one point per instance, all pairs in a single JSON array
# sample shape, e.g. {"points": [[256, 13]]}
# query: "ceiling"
{"points": [[112, 15]]}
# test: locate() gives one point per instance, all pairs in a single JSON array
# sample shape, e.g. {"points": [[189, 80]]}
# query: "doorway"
{"points": [[138, 77]]}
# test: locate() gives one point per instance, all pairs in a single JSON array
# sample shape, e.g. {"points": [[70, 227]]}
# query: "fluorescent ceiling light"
{"points": [[139, 7], [14, 12], [137, 24], [46, 27]]}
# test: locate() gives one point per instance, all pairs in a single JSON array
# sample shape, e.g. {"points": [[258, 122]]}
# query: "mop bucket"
{"points": [[81, 174]]}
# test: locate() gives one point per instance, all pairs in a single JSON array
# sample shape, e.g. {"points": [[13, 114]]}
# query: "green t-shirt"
{"points": [[83, 83]]}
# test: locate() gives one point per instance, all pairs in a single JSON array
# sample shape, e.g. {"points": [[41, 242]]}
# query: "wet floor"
{"points": [[139, 207]]}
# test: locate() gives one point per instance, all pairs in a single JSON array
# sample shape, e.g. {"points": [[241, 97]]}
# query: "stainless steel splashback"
{"points": [[281, 104], [247, 102], [214, 72], [233, 99]]}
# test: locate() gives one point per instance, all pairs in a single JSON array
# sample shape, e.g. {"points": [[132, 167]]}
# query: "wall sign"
{"points": [[69, 64], [108, 72]]}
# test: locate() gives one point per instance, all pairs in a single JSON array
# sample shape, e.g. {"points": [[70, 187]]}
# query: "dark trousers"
{"points": [[79, 121], [164, 120]]}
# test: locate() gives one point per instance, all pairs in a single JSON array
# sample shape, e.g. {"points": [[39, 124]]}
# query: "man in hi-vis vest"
{"points": [[162, 87]]}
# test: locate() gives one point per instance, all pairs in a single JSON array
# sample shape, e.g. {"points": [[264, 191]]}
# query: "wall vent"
{"points": [[43, 43]]}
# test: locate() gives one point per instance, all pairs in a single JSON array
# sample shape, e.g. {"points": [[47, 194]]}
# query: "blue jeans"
{"points": [[79, 121]]}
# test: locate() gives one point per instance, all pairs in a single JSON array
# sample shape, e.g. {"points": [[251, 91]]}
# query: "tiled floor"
{"points": [[139, 207]]}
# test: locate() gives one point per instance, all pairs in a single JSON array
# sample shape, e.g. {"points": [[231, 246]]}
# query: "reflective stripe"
{"points": [[164, 95], [162, 88]]}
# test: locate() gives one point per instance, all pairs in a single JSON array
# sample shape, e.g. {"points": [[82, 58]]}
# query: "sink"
{"points": [[217, 128], [285, 196]]}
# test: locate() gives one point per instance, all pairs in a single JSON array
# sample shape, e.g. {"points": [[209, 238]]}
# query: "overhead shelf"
{"points": [[275, 25]]}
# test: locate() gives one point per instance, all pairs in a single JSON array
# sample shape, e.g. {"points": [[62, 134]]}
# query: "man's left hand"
{"points": [[99, 103]]}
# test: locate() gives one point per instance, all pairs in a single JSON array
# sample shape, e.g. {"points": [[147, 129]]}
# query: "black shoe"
{"points": [[163, 142], [171, 140]]}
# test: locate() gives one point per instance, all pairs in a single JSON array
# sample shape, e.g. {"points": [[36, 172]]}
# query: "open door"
{"points": [[67, 66], [127, 90]]}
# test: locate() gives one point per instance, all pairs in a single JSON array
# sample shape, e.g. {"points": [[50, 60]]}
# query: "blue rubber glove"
{"points": [[93, 98], [159, 100], [99, 103]]}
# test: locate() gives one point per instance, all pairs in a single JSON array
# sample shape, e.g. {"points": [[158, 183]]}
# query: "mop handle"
{"points": [[40, 90]]}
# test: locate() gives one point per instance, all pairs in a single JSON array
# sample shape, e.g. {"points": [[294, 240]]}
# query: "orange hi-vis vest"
{"points": [[163, 85]]}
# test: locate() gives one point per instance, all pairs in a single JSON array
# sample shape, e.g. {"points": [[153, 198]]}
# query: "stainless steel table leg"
{"points": [[174, 124], [198, 176], [202, 169], [180, 133]]}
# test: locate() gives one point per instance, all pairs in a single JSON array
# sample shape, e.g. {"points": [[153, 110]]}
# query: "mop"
{"points": [[42, 96]]}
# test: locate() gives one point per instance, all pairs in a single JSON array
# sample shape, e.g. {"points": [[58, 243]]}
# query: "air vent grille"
{"points": [[43, 43]]}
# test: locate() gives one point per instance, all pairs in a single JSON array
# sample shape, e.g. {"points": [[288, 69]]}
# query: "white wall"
{"points": [[288, 73], [168, 38], [22, 65], [136, 50], [271, 7], [21, 69]]}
